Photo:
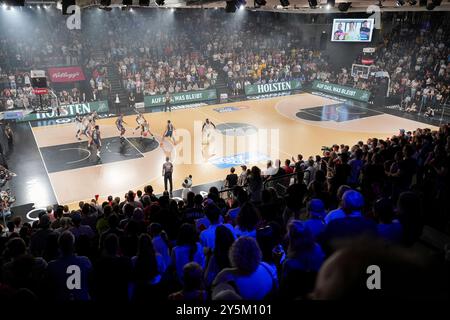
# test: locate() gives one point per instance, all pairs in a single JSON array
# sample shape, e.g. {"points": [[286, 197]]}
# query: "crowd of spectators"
{"points": [[258, 242]]}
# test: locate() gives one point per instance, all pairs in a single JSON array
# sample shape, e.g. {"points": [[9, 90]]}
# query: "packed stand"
{"points": [[366, 202]]}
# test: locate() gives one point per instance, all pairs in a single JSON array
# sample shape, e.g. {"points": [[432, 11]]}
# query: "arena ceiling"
{"points": [[296, 6]]}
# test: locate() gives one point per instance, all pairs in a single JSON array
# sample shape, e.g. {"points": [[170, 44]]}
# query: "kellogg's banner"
{"points": [[66, 74]]}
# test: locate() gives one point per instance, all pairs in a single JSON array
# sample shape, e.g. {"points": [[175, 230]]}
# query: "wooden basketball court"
{"points": [[251, 131]]}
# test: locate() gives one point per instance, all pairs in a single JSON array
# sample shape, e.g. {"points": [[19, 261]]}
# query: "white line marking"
{"points": [[45, 166], [71, 162], [134, 146]]}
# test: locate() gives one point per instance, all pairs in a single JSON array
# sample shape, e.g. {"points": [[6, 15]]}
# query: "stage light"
{"points": [[344, 6], [312, 4], [260, 3], [285, 3], [400, 3], [330, 4], [328, 7]]}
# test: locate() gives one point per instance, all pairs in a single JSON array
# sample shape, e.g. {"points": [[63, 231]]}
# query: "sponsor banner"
{"points": [[51, 122], [69, 111], [254, 89], [367, 61], [238, 159], [37, 74], [39, 91], [66, 74], [347, 92], [229, 109], [269, 95], [181, 98], [369, 50], [139, 105], [12, 115]]}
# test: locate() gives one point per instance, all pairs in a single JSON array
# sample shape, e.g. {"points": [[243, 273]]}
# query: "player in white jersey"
{"points": [[78, 125], [140, 120], [207, 130], [85, 124]]}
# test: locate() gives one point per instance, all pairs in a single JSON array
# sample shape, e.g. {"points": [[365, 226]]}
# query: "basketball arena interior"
{"points": [[200, 151]]}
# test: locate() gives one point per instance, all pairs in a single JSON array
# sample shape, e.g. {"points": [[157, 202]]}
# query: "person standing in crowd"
{"points": [[232, 179], [131, 100], [117, 103], [242, 180], [167, 171], [9, 136], [168, 105]]}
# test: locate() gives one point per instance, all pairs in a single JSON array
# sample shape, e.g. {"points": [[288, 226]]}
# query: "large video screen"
{"points": [[352, 30]]}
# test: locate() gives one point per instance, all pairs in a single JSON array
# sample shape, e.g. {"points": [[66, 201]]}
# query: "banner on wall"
{"points": [[264, 88], [181, 97], [347, 92], [66, 74], [69, 111]]}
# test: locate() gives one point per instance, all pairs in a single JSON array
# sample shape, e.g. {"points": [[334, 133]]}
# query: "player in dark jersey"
{"points": [[168, 133], [120, 127], [96, 139]]}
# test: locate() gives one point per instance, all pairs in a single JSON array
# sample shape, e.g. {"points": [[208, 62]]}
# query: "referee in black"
{"points": [[167, 171]]}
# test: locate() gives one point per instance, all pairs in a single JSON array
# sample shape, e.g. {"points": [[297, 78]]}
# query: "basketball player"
{"points": [[78, 125], [96, 139], [168, 133], [146, 130], [89, 130], [207, 129], [140, 122], [120, 127], [85, 123]]}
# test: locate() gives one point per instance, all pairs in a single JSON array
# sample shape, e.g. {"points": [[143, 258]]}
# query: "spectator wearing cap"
{"points": [[339, 212], [316, 214], [352, 223], [58, 275]]}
